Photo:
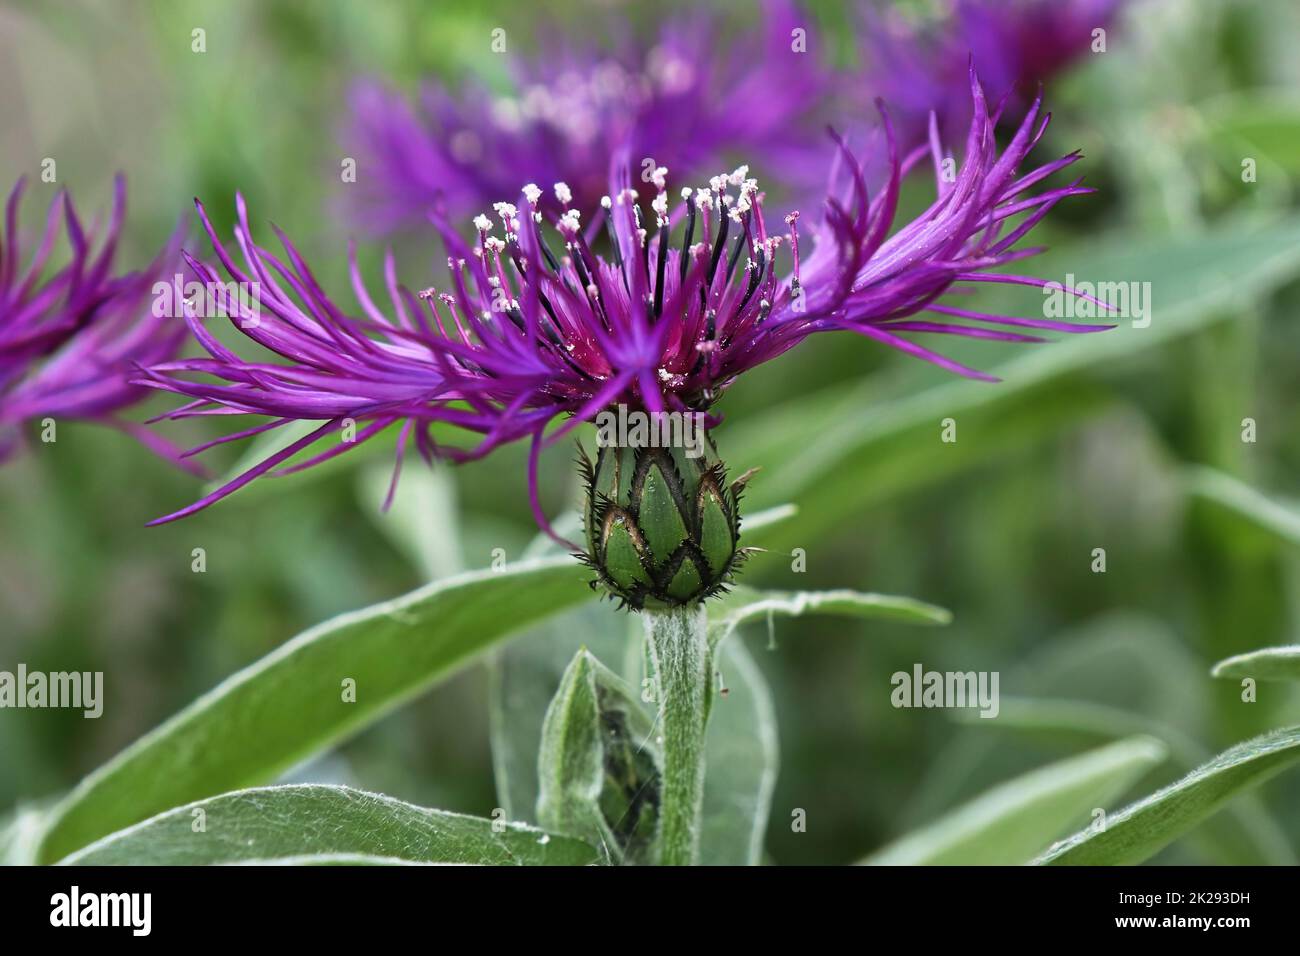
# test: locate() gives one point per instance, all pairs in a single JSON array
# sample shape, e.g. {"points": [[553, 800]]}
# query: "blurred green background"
{"points": [[1088, 448]]}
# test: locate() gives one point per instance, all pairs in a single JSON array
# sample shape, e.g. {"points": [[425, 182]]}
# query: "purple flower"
{"points": [[1016, 45], [71, 338], [690, 294], [682, 100]]}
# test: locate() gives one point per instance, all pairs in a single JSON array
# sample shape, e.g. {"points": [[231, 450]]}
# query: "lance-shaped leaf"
{"points": [[1267, 663], [1144, 828], [598, 767], [1245, 834], [742, 605], [317, 824], [311, 693], [1011, 823]]}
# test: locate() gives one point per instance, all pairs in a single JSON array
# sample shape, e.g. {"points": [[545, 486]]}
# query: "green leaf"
{"points": [[321, 824], [290, 704], [1142, 829], [598, 763], [1245, 834], [523, 678], [741, 760], [1012, 822], [742, 605], [830, 457], [1279, 519], [1268, 663]]}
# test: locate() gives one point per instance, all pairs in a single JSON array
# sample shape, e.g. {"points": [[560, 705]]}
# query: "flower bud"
{"points": [[662, 527]]}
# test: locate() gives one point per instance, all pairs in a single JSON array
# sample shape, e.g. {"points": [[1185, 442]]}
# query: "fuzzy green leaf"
{"points": [[1012, 822], [325, 825], [1245, 834], [290, 704], [1142, 829], [742, 605], [597, 766], [1267, 663]]}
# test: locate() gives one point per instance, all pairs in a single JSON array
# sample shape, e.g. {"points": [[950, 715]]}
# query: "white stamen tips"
{"points": [[703, 199], [791, 219], [686, 192], [563, 193], [718, 183], [509, 214], [494, 282], [482, 223], [660, 206], [532, 194], [606, 202], [739, 175], [495, 244], [660, 177], [428, 293], [568, 222]]}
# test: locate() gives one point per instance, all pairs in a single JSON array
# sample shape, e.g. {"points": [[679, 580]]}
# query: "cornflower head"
{"points": [[683, 99], [71, 337], [1018, 46], [651, 307]]}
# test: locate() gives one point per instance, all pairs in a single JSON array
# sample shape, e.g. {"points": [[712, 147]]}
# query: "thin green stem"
{"points": [[678, 643]]}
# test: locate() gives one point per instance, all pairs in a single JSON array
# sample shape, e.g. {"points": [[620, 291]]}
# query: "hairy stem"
{"points": [[678, 643]]}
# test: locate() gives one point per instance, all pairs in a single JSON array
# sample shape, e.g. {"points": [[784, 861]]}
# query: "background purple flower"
{"points": [[71, 337], [1016, 45], [667, 319], [686, 97]]}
